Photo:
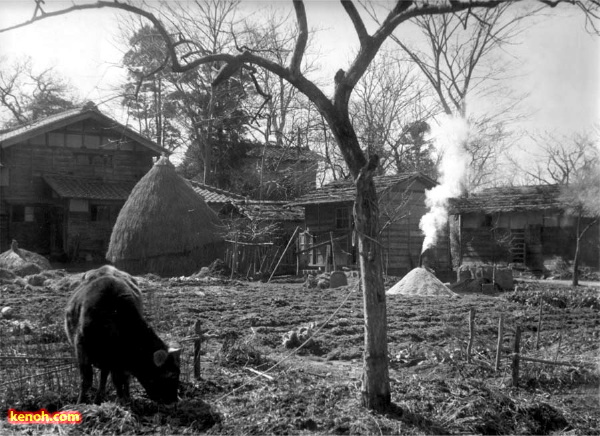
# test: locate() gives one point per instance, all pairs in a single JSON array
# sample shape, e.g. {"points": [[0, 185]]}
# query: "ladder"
{"points": [[517, 246]]}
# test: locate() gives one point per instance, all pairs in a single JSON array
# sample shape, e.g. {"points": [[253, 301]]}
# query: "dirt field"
{"points": [[317, 389]]}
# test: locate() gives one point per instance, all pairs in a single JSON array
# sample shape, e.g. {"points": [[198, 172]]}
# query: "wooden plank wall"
{"points": [[62, 152], [402, 239]]}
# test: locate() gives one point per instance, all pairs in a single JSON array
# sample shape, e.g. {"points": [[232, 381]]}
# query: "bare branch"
{"points": [[359, 25], [300, 47]]}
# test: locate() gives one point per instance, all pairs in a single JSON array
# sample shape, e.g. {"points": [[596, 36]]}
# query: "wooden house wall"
{"points": [[486, 238], [86, 150], [402, 239]]}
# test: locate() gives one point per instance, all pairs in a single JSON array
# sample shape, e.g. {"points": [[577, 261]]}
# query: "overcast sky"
{"points": [[558, 59]]}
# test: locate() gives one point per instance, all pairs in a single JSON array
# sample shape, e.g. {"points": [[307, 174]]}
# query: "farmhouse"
{"points": [[64, 179], [526, 226], [285, 172], [328, 216]]}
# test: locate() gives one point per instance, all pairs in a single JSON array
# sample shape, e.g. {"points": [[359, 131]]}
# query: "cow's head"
{"points": [[163, 385]]}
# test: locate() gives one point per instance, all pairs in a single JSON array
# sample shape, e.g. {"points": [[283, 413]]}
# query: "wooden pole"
{"points": [[197, 348], [332, 251], [234, 257], [499, 344], [471, 333], [515, 361], [282, 254], [539, 329]]}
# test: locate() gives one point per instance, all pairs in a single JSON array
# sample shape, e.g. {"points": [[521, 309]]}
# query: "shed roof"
{"points": [[212, 194], [70, 116], [270, 211], [509, 199], [89, 189], [342, 191]]}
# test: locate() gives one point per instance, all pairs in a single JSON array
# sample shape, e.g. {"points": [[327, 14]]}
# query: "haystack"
{"points": [[165, 227], [420, 283]]}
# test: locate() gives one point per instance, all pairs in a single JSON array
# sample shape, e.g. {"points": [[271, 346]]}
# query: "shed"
{"points": [[165, 227], [525, 226], [328, 215]]}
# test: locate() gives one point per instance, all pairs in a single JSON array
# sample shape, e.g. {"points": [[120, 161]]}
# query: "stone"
{"points": [[36, 280], [7, 312], [337, 279]]}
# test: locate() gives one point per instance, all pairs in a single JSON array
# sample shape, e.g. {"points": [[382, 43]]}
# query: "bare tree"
{"points": [[26, 95], [556, 159], [460, 60], [582, 197], [335, 110], [389, 111]]}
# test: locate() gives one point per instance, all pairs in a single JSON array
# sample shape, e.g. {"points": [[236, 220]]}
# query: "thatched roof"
{"points": [[342, 191], [510, 199], [163, 218]]}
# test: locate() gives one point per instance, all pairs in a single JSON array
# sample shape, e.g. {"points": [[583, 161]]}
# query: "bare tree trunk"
{"points": [[375, 383], [577, 249]]}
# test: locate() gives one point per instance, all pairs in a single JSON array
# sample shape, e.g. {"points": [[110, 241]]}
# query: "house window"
{"points": [[29, 214], [18, 214], [3, 176], [78, 205], [487, 221], [100, 212], [342, 218], [23, 214]]}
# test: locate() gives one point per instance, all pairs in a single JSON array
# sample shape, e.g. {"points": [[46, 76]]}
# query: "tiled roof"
{"points": [[271, 211], [73, 187], [212, 194], [509, 199], [342, 191], [56, 121]]}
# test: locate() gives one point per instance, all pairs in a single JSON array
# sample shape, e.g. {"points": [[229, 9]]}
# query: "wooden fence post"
{"points": [[539, 329], [284, 251], [332, 252], [515, 361], [499, 344], [197, 348], [471, 333]]}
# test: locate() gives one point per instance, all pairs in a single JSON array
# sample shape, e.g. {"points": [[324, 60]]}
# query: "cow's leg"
{"points": [[85, 371], [102, 387], [87, 377], [121, 382]]}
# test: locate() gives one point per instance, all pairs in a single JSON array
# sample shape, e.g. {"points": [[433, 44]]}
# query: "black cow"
{"points": [[104, 323]]}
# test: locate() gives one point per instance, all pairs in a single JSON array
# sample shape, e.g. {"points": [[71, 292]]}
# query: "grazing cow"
{"points": [[104, 323]]}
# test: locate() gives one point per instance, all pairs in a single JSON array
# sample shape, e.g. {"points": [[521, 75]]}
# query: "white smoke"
{"points": [[449, 137]]}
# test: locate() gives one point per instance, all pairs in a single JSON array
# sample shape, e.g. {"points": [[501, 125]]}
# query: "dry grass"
{"points": [[434, 390], [165, 227]]}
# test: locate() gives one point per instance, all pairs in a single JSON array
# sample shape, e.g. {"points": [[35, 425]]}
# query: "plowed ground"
{"points": [[251, 384]]}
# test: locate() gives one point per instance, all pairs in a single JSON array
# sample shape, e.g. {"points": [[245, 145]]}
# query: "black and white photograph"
{"points": [[346, 217]]}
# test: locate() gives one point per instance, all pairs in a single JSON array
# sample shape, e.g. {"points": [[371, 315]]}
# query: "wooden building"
{"points": [[284, 172], [218, 199], [525, 226], [328, 216], [64, 179], [257, 231]]}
